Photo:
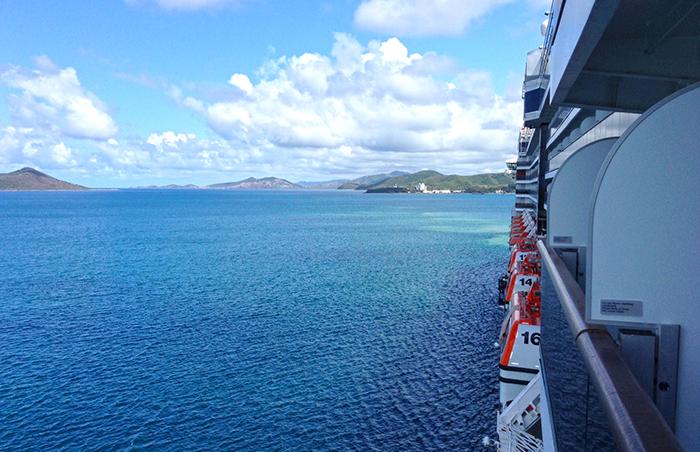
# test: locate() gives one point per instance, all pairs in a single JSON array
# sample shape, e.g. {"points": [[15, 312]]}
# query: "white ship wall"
{"points": [[644, 249]]}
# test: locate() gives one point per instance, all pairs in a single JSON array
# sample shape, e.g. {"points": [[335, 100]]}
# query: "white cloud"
{"points": [[53, 100], [242, 82], [63, 155], [180, 152], [347, 53], [374, 103], [195, 104], [45, 64], [422, 17], [361, 110], [166, 139], [394, 50], [24, 146]]}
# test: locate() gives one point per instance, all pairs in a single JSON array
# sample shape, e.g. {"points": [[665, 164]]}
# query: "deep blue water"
{"points": [[248, 320]]}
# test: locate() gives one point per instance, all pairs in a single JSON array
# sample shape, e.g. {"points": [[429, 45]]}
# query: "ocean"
{"points": [[186, 320]]}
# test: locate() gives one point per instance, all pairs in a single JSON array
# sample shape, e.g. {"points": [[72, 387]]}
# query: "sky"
{"points": [[120, 93]]}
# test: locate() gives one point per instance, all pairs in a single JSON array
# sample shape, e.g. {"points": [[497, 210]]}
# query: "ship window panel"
{"points": [[601, 115], [617, 124], [533, 99], [605, 126], [612, 126], [584, 141], [560, 121], [610, 121]]}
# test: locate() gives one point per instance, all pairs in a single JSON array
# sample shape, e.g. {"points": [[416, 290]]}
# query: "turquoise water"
{"points": [[248, 320]]}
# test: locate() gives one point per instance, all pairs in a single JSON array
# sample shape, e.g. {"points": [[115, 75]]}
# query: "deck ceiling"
{"points": [[639, 52]]}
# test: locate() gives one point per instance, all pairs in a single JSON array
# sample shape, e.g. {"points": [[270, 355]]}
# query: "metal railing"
{"points": [[513, 438], [635, 422]]}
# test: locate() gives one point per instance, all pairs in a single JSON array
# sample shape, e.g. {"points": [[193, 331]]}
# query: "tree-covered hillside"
{"points": [[479, 183]]}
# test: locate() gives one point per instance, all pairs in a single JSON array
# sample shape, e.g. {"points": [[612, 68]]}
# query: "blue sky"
{"points": [[119, 93]]}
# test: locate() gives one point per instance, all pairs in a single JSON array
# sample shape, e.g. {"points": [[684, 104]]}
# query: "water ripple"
{"points": [[191, 320]]}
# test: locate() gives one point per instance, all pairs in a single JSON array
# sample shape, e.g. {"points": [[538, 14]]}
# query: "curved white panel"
{"points": [[644, 249], [569, 198]]}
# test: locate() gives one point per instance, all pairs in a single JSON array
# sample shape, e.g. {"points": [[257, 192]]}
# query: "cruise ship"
{"points": [[599, 346]]}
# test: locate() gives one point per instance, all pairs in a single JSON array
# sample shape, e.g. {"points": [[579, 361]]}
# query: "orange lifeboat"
{"points": [[520, 339], [523, 275]]}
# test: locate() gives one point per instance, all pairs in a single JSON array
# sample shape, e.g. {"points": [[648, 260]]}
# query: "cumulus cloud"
{"points": [[168, 139], [53, 100], [376, 103], [422, 17], [242, 82], [24, 146], [360, 110], [394, 50], [170, 151]]}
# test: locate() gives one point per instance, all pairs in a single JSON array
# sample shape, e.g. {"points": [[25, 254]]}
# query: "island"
{"points": [[426, 181], [434, 182], [33, 180]]}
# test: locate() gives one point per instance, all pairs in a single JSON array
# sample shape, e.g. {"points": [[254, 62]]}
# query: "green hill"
{"points": [[31, 179], [479, 183], [364, 182], [407, 180]]}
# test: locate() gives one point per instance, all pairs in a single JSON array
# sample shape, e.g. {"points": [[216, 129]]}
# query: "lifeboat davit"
{"points": [[521, 229]]}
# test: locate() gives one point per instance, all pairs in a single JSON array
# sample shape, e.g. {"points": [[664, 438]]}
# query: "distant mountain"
{"points": [[407, 180], [31, 179], [479, 183], [361, 183], [364, 182], [171, 186], [328, 186], [345, 184], [323, 184], [264, 183]]}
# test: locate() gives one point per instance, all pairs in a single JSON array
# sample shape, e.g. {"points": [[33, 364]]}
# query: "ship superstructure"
{"points": [[607, 184]]}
